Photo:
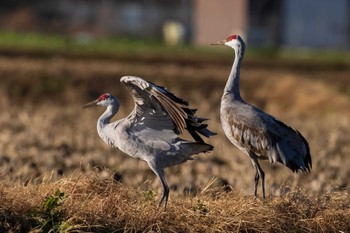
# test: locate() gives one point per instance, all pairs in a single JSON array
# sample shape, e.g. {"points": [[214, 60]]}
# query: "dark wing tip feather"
{"points": [[194, 124], [210, 147], [307, 159], [190, 111], [195, 136]]}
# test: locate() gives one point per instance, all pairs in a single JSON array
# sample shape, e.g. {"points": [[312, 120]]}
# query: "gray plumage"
{"points": [[256, 133], [150, 132]]}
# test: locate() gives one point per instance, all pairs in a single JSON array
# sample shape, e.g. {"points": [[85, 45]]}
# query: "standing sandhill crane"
{"points": [[150, 132], [254, 132]]}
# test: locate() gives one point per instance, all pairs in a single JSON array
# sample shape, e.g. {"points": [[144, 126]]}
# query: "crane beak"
{"points": [[222, 42], [88, 105]]}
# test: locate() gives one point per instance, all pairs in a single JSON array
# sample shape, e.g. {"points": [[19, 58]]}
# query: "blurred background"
{"points": [[57, 55], [287, 23]]}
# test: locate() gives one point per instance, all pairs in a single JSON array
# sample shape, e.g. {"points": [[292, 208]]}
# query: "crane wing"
{"points": [[289, 145], [265, 136], [159, 110]]}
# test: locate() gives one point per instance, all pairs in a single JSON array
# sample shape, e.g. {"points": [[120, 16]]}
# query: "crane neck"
{"points": [[106, 117], [232, 84]]}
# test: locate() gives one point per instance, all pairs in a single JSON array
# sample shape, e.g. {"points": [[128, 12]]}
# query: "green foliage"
{"points": [[46, 44], [87, 45], [48, 218], [32, 40], [52, 201], [200, 207], [52, 42], [149, 195]]}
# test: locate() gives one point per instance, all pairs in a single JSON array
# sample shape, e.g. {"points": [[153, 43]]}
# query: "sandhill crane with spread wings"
{"points": [[256, 133], [150, 132]]}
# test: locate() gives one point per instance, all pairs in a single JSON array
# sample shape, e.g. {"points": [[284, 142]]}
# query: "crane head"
{"points": [[105, 99], [231, 41]]}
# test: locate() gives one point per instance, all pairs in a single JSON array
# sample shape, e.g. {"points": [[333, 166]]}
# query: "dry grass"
{"points": [[102, 205], [48, 142]]}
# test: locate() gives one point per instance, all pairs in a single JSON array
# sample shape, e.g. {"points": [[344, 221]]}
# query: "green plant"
{"points": [[200, 207], [149, 195], [48, 218]]}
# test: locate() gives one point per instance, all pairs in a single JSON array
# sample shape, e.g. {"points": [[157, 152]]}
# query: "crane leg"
{"points": [[262, 175], [160, 173], [165, 195], [256, 180], [259, 173]]}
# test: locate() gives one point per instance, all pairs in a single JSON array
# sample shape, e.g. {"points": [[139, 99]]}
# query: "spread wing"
{"points": [[160, 114]]}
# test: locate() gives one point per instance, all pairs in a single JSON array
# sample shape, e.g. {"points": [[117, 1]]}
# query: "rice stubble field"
{"points": [[49, 143]]}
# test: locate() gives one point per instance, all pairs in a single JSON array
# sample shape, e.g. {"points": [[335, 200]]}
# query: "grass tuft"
{"points": [[88, 203]]}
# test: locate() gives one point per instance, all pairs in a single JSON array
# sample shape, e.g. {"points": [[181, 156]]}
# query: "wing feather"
{"points": [[161, 110], [269, 138], [174, 109]]}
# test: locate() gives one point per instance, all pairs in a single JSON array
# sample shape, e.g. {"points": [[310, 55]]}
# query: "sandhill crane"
{"points": [[256, 133], [150, 132]]}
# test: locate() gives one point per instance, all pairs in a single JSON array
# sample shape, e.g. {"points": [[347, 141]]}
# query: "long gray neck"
{"points": [[232, 85], [106, 117]]}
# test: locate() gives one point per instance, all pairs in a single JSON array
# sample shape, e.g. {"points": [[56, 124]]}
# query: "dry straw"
{"points": [[95, 204]]}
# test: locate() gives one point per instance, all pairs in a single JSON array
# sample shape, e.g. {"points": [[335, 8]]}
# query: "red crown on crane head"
{"points": [[103, 97], [232, 37]]}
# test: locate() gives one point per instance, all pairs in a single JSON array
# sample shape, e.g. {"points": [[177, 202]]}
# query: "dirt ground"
{"points": [[45, 133]]}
